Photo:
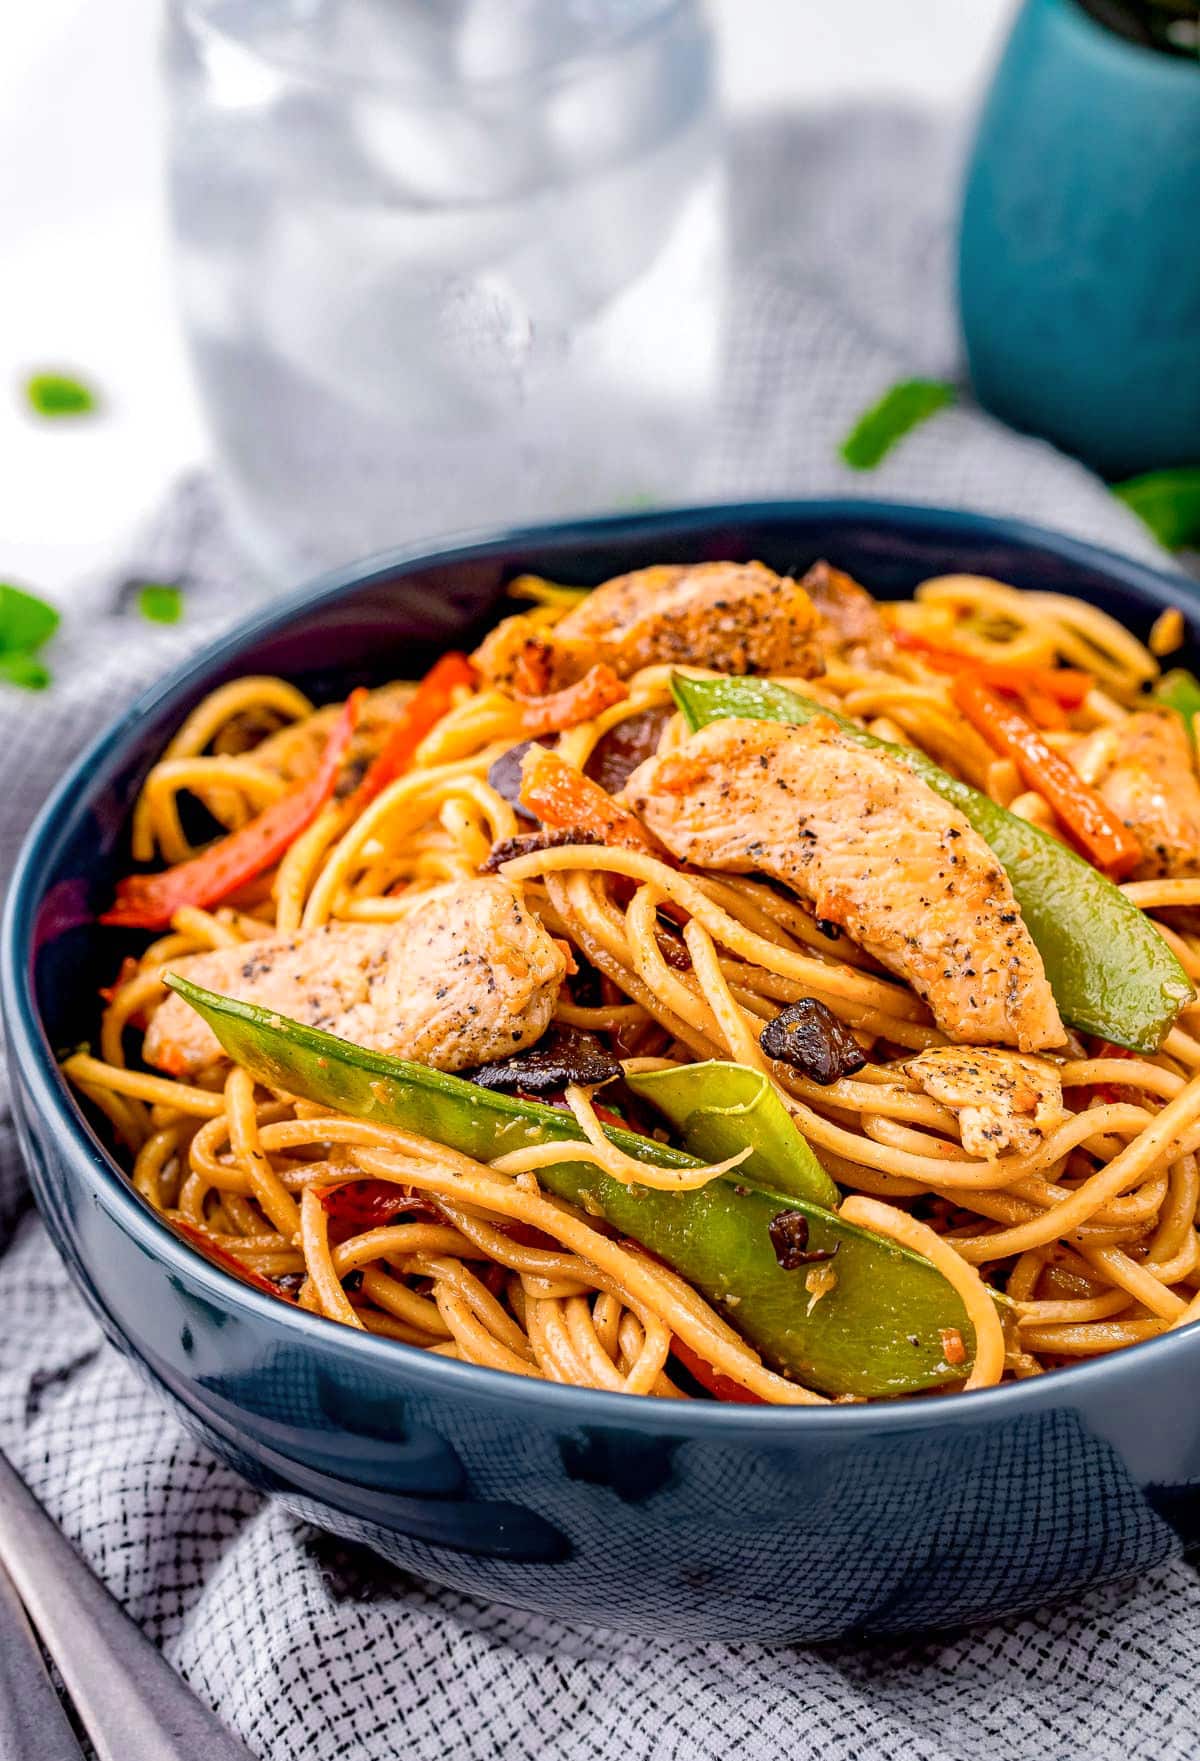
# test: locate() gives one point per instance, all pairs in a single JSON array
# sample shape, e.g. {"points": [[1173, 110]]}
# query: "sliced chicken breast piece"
{"points": [[527, 659], [875, 850], [1143, 768], [1004, 1101], [740, 617], [736, 617], [465, 977]]}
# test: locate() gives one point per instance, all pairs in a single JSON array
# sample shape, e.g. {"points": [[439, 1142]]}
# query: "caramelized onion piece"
{"points": [[808, 1036], [617, 753], [789, 1238], [504, 775], [563, 1055], [507, 849]]}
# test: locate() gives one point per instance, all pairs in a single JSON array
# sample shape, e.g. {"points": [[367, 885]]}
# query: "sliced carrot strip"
{"points": [[563, 797], [1042, 709], [597, 691], [1104, 838], [1065, 686]]}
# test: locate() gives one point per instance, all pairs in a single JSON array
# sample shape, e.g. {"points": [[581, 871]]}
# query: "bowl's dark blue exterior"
{"points": [[662, 1517]]}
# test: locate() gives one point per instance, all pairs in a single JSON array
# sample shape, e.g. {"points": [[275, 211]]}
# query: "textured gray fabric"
{"points": [[843, 248]]}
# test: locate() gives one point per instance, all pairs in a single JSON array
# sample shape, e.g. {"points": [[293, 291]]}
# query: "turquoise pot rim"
{"points": [[31, 1057]]}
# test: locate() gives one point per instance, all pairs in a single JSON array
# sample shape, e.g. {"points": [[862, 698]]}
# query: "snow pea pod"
{"points": [[717, 1108], [1180, 691], [876, 1331], [1111, 972]]}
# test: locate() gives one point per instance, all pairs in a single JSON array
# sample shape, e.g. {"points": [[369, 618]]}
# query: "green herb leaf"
{"points": [[24, 670], [159, 603], [26, 622], [1169, 503], [57, 394], [878, 429]]}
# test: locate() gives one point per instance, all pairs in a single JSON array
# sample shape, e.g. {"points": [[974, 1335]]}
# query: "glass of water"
{"points": [[445, 263]]}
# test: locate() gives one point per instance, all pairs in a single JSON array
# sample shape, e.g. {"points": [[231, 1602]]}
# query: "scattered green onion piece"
{"points": [[24, 670], [58, 394], [26, 621], [902, 408], [1169, 503], [159, 603], [26, 624]]}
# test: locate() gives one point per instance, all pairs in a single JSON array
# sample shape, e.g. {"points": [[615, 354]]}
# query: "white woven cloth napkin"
{"points": [[841, 226]]}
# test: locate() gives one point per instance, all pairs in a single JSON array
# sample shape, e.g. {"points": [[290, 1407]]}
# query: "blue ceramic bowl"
{"points": [[656, 1516]]}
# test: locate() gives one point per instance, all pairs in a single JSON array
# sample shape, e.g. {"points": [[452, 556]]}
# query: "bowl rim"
{"points": [[31, 1055]]}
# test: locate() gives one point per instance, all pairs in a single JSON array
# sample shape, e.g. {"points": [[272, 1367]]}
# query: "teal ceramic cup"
{"points": [[1079, 267]]}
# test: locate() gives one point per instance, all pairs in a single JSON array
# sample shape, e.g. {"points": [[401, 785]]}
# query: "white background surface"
{"points": [[86, 281]]}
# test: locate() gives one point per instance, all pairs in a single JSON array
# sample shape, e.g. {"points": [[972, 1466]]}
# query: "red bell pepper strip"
{"points": [[1065, 686], [128, 972], [525, 1235], [228, 1262], [719, 1386], [370, 1204], [564, 799], [1101, 835], [149, 901], [433, 697], [494, 1277], [109, 992], [1108, 1092], [1104, 1048], [605, 1115]]}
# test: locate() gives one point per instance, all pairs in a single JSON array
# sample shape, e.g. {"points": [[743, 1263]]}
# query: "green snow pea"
{"points": [[718, 1108], [1180, 691], [1111, 972], [876, 1332]]}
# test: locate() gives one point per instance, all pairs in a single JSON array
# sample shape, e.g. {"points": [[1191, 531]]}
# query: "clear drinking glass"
{"points": [[444, 263]]}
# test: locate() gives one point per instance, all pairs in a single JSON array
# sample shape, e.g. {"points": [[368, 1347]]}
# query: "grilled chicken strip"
{"points": [[1003, 1101], [737, 617], [1143, 768], [465, 977], [874, 849]]}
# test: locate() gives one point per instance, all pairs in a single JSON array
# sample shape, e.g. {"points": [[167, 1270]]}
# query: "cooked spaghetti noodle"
{"points": [[1084, 1225]]}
